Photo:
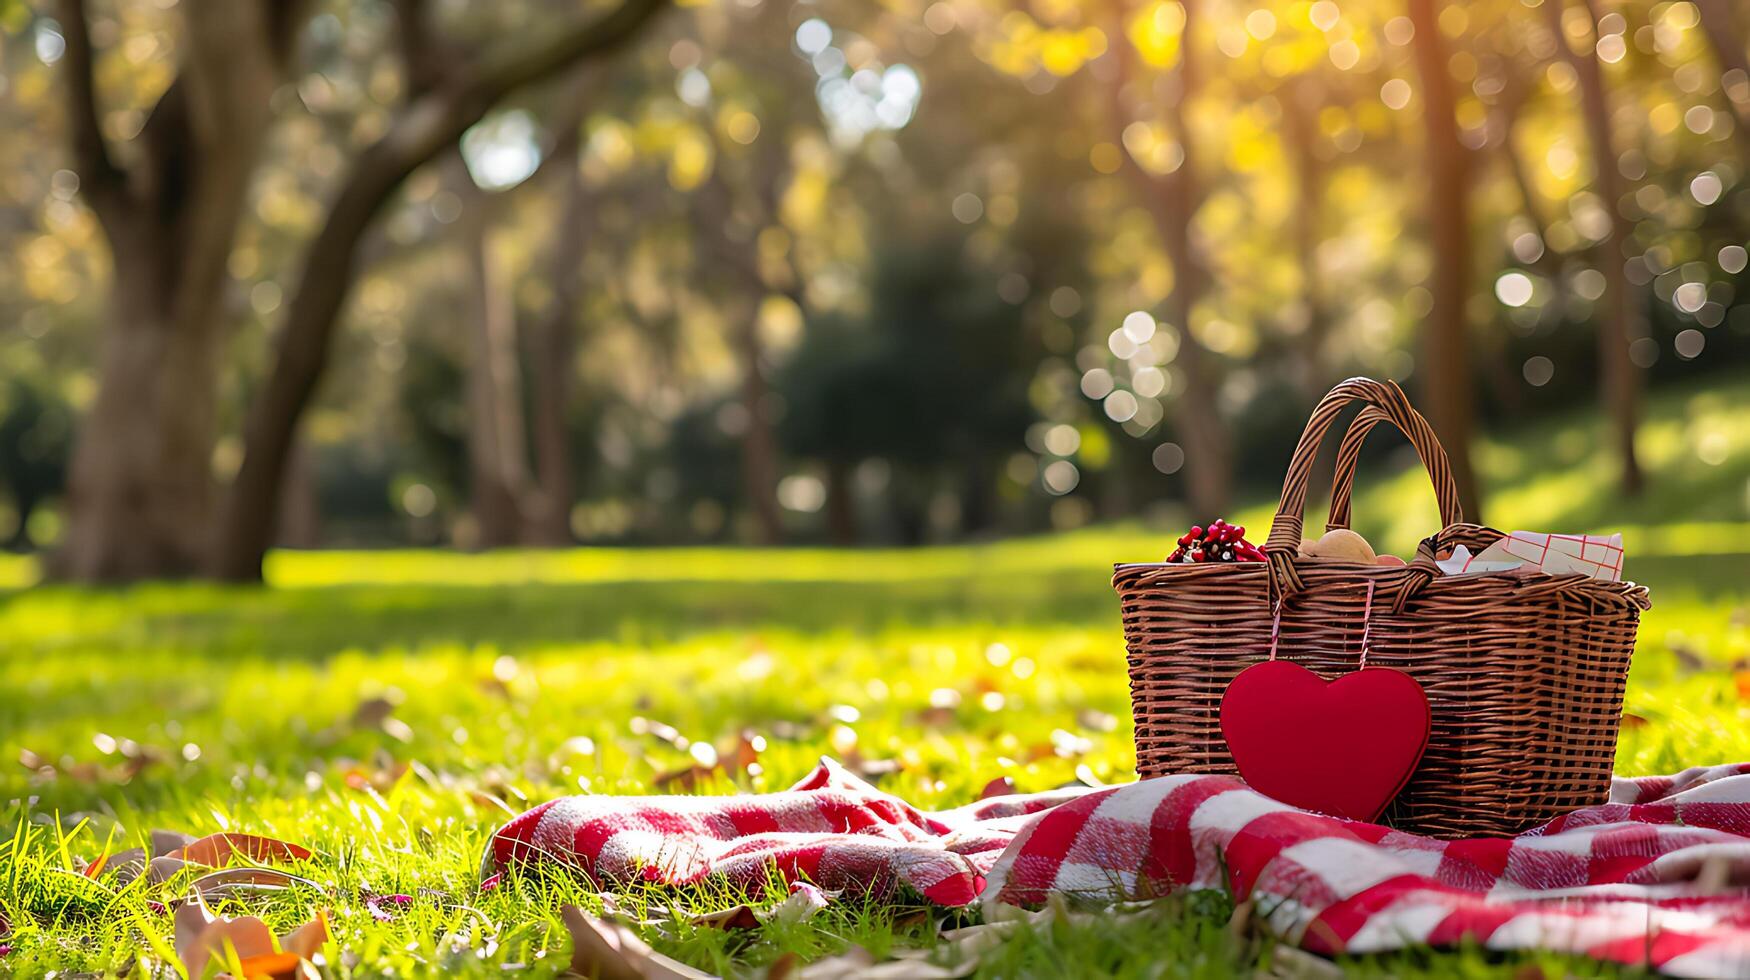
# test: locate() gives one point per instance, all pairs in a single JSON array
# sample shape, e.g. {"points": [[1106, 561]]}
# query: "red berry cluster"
{"points": [[1220, 541]]}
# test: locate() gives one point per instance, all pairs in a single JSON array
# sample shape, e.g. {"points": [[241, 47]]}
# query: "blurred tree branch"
{"points": [[423, 53], [1726, 37], [99, 177]]}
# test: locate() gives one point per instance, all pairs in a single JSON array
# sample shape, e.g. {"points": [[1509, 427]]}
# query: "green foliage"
{"points": [[935, 371], [36, 434]]}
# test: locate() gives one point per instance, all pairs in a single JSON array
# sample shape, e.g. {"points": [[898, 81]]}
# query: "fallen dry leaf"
{"points": [[372, 712], [739, 917], [659, 730], [381, 779], [232, 882], [1000, 786], [683, 780], [604, 950], [165, 841], [162, 869], [920, 917], [133, 862], [745, 757], [214, 850], [1096, 720], [200, 937], [1689, 659], [968, 943], [1289, 963], [858, 963], [376, 713], [938, 716], [871, 769], [487, 801], [805, 900], [383, 907]]}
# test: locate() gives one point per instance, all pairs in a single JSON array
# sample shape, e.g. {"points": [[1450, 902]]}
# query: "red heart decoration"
{"points": [[1343, 747]]}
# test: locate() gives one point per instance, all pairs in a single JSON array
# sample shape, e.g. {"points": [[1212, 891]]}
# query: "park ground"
{"points": [[389, 710]]}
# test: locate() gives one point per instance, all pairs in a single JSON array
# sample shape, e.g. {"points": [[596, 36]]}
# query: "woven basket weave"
{"points": [[1524, 671]]}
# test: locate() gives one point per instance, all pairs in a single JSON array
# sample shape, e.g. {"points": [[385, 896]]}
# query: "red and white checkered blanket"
{"points": [[1660, 875]]}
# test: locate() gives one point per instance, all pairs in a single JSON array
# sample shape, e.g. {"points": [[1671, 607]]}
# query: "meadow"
{"points": [[389, 710]]}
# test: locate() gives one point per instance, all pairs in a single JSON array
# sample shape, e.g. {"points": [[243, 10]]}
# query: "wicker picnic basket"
{"points": [[1524, 671]]}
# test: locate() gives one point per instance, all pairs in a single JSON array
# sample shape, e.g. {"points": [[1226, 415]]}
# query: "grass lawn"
{"points": [[513, 678]]}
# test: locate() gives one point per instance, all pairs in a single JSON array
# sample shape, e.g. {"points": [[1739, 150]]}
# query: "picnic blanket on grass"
{"points": [[1659, 875]]}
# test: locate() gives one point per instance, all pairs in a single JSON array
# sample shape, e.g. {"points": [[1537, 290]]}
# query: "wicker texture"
{"points": [[1524, 671]]}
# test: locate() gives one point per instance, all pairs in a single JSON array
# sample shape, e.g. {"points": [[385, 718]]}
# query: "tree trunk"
{"points": [[1300, 115], [978, 505], [300, 520], [23, 505], [1173, 200], [841, 503], [141, 484], [714, 206], [1619, 379], [498, 473], [1208, 452], [759, 449], [1445, 364], [1208, 449], [550, 510], [141, 479]]}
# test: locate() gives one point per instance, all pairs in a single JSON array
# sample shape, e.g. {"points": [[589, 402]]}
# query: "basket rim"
{"points": [[1130, 574]]}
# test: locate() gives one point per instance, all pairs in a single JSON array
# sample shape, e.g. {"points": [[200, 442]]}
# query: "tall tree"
{"points": [[1172, 200], [733, 249], [552, 344], [141, 481], [739, 202], [1300, 134], [445, 97], [1618, 310], [498, 477], [141, 485], [1445, 364]]}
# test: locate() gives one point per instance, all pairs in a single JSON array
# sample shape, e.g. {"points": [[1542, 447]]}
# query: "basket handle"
{"points": [[1349, 454], [1283, 544]]}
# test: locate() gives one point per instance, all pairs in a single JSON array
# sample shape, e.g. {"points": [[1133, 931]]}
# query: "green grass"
{"points": [[517, 677]]}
